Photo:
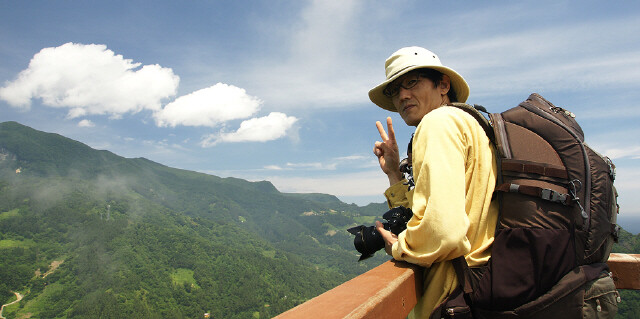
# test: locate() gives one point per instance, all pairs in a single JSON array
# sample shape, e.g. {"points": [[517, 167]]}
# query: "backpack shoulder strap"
{"points": [[475, 112]]}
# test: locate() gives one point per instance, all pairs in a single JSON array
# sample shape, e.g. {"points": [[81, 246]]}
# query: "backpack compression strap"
{"points": [[544, 193], [518, 166]]}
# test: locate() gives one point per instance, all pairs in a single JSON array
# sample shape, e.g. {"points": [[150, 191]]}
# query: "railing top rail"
{"points": [[625, 269], [393, 289]]}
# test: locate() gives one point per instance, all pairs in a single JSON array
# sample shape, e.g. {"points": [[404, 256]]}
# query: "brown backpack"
{"points": [[558, 210]]}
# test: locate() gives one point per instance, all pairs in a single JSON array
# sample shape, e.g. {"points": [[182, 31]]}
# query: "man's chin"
{"points": [[410, 121]]}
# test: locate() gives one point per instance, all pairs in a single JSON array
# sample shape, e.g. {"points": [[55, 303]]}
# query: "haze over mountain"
{"points": [[132, 237]]}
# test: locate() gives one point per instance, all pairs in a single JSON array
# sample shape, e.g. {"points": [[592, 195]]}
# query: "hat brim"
{"points": [[457, 83]]}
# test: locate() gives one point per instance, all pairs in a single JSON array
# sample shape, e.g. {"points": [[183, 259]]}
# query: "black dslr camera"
{"points": [[368, 240]]}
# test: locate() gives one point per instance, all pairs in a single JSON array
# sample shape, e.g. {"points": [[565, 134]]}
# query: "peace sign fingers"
{"points": [[383, 134], [387, 152]]}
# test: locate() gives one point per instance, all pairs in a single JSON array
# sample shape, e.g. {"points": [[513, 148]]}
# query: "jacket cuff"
{"points": [[396, 194], [395, 251]]}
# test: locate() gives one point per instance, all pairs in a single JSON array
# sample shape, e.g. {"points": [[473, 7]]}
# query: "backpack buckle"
{"points": [[612, 168], [551, 195], [616, 233]]}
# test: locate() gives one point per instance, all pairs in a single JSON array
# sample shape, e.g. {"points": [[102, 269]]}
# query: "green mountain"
{"points": [[87, 234]]}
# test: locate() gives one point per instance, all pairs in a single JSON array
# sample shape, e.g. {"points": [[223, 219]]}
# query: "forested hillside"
{"points": [[87, 234]]}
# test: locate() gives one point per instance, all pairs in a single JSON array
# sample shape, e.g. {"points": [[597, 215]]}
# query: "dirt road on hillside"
{"points": [[19, 296]]}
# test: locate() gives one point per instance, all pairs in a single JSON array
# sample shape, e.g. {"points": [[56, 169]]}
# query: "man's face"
{"points": [[421, 98]]}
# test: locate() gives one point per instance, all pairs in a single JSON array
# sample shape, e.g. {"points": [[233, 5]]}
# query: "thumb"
{"points": [[380, 227]]}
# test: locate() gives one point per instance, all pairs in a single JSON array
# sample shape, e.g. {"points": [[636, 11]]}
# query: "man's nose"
{"points": [[404, 93]]}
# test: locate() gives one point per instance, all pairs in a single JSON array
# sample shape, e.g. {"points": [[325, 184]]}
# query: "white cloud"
{"points": [[627, 181], [324, 33], [367, 183], [209, 107], [314, 166], [365, 186], [86, 123], [324, 62], [271, 127], [543, 58], [333, 163], [363, 162], [352, 158], [631, 151], [627, 186], [90, 79]]}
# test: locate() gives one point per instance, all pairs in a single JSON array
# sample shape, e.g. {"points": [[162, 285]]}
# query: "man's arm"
{"points": [[438, 228]]}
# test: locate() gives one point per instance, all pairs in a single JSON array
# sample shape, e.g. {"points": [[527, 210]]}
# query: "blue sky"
{"points": [[277, 90]]}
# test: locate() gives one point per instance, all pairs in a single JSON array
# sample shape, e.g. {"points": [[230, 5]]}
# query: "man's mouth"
{"points": [[406, 107]]}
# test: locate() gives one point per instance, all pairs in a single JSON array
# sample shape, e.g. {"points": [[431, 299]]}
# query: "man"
{"points": [[454, 172]]}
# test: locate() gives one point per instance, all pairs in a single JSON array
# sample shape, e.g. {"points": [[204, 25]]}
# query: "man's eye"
{"points": [[411, 83]]}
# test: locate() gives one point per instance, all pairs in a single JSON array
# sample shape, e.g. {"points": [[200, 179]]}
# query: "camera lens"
{"points": [[367, 241]]}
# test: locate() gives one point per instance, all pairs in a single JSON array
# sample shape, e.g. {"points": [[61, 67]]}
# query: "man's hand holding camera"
{"points": [[389, 237]]}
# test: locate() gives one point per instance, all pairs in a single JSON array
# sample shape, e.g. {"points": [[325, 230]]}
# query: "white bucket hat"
{"points": [[411, 58]]}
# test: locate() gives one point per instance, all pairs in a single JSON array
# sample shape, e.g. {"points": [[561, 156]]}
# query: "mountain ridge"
{"points": [[13, 133], [121, 225]]}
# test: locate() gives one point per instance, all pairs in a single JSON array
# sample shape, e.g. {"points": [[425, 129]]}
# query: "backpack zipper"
{"points": [[566, 113]]}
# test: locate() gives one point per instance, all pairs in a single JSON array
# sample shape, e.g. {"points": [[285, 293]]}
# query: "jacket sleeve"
{"points": [[437, 230], [396, 194]]}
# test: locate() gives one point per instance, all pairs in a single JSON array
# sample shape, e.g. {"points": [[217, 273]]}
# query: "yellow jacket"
{"points": [[455, 174]]}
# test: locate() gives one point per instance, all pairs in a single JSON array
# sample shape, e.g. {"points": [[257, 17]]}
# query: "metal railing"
{"points": [[392, 289]]}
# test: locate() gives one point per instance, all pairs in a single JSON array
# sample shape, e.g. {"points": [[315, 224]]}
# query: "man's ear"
{"points": [[445, 84]]}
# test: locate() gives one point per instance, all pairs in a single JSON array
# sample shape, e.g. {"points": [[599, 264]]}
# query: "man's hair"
{"points": [[436, 76]]}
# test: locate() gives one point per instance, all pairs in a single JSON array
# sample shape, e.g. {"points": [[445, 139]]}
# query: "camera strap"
{"points": [[406, 165]]}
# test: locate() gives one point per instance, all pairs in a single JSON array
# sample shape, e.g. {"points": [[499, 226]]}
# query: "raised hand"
{"points": [[387, 152]]}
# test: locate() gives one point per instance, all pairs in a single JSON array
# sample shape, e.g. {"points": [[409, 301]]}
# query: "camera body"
{"points": [[368, 240]]}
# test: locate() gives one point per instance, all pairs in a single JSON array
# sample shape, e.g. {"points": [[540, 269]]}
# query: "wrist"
{"points": [[395, 177]]}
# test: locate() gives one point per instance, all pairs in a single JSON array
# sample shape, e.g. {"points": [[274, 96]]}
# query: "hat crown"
{"points": [[409, 57]]}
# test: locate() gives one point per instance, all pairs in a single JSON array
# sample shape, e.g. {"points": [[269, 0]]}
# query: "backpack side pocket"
{"points": [[601, 298]]}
